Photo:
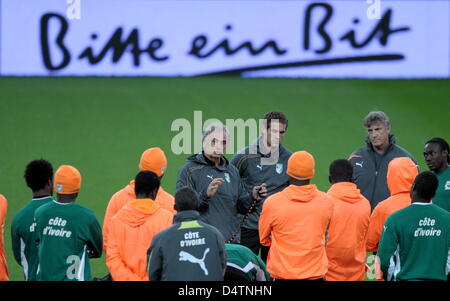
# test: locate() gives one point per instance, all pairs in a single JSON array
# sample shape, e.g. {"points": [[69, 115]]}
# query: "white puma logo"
{"points": [[447, 185], [259, 166], [360, 164], [211, 177], [185, 256]]}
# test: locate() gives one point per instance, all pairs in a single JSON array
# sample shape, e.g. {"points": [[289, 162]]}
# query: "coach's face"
{"points": [[275, 134], [378, 135], [215, 144]]}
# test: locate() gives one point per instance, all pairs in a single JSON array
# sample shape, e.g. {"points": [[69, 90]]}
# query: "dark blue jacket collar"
{"points": [[392, 142], [188, 215], [200, 158]]}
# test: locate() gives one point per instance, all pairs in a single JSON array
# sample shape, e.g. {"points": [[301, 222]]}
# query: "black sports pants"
{"points": [[250, 239]]}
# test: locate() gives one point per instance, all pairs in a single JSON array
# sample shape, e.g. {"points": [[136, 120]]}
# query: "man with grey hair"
{"points": [[370, 162], [221, 191]]}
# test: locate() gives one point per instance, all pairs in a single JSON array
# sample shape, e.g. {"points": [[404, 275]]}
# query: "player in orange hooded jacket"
{"points": [[293, 223], [3, 266], [400, 177], [154, 160], [346, 246], [132, 229]]}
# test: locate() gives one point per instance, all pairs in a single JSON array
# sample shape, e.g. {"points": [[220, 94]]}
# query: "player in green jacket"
{"points": [[436, 155], [243, 264], [415, 244], [68, 234], [39, 178]]}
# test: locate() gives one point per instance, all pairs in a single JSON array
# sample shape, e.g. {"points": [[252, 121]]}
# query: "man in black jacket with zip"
{"points": [[190, 250], [370, 162], [264, 161], [221, 191]]}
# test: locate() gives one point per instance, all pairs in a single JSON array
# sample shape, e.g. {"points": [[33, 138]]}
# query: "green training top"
{"points": [[442, 198], [243, 259], [68, 234], [23, 237], [415, 244]]}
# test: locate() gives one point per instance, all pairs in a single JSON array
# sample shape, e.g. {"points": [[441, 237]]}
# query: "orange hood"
{"points": [[401, 174], [130, 189], [301, 193], [137, 212], [346, 191]]}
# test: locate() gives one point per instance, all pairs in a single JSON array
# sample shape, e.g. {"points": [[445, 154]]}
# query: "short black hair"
{"points": [[146, 182], [38, 173], [425, 185], [186, 199], [341, 170], [442, 144], [275, 115]]}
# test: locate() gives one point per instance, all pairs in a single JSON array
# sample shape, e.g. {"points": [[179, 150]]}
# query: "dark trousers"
{"points": [[250, 239], [233, 274]]}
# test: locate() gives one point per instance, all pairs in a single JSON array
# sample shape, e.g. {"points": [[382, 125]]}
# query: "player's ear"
{"points": [[153, 195], [50, 183], [413, 189]]}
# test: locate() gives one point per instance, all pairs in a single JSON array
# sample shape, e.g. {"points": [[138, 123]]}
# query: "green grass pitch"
{"points": [[102, 125]]}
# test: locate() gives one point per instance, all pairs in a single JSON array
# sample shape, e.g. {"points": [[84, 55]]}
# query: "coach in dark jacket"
{"points": [[264, 161], [221, 191], [190, 250], [370, 162]]}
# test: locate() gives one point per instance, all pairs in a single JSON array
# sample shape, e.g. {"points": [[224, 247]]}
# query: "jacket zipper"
{"points": [[376, 169]]}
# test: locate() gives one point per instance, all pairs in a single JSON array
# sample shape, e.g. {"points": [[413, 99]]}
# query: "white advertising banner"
{"points": [[336, 39]]}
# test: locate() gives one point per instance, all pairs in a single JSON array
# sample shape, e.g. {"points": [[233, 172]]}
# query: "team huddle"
{"points": [[256, 218]]}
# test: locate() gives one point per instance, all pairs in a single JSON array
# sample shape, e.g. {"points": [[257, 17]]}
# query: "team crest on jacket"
{"points": [[279, 168], [227, 177]]}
